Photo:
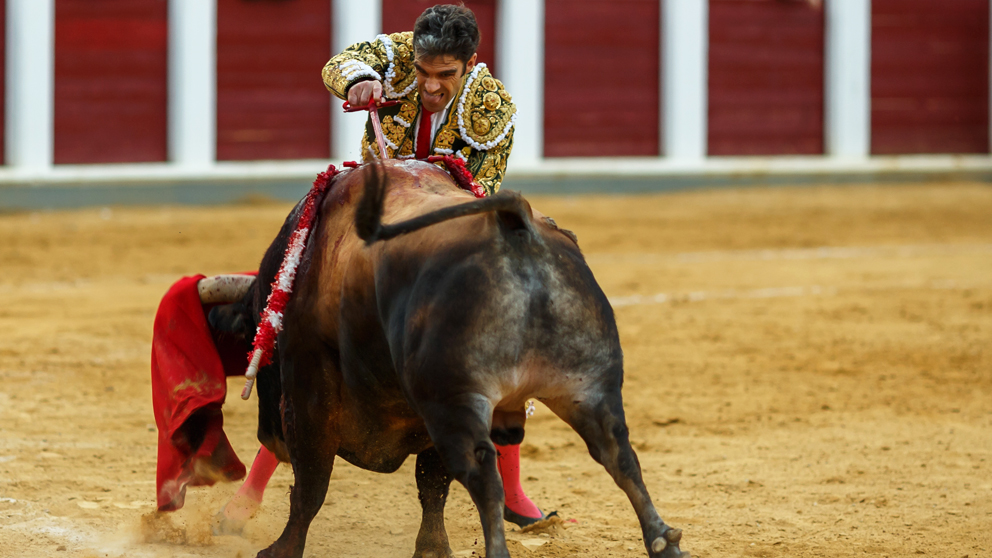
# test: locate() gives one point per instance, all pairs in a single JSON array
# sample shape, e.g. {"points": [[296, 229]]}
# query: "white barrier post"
{"points": [[353, 22], [847, 107], [30, 105], [684, 67], [520, 60], [193, 82]]}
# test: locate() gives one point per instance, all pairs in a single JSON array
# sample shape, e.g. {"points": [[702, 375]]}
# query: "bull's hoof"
{"points": [[434, 554], [667, 545], [279, 551]]}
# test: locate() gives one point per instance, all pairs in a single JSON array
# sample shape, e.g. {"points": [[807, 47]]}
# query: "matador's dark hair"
{"points": [[446, 29]]}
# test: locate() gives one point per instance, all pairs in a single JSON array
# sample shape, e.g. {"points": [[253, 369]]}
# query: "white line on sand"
{"points": [[818, 253], [784, 292]]}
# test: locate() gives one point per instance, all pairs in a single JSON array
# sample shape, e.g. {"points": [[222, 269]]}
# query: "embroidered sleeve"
{"points": [[387, 59], [488, 167]]}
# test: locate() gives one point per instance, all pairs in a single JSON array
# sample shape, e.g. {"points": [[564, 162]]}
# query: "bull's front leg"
{"points": [[601, 424], [460, 431], [312, 437], [433, 482]]}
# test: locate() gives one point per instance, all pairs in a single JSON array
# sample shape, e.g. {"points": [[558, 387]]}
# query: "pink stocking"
{"points": [[508, 462], [258, 477], [232, 518]]}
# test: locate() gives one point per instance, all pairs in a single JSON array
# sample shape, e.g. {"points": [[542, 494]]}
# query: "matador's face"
{"points": [[438, 79]]}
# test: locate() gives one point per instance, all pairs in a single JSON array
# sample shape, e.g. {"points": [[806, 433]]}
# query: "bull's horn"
{"points": [[658, 545], [223, 289], [674, 535]]}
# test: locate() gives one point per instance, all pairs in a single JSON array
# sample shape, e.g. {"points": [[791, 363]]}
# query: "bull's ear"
{"points": [[511, 221], [517, 218]]}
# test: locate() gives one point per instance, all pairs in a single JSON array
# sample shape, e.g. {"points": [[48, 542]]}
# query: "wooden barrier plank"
{"points": [[930, 77], [110, 81], [601, 85], [765, 77], [270, 100]]}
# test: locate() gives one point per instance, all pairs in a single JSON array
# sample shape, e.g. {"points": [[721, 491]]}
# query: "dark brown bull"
{"points": [[427, 337]]}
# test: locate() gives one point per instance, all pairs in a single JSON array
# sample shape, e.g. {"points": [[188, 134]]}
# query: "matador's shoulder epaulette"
{"points": [[484, 111]]}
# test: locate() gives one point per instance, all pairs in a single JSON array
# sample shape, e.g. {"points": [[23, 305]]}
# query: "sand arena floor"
{"points": [[808, 373]]}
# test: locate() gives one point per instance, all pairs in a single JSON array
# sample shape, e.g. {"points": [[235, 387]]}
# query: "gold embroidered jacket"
{"points": [[479, 124]]}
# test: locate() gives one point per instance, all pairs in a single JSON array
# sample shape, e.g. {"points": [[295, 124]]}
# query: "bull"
{"points": [[426, 337]]}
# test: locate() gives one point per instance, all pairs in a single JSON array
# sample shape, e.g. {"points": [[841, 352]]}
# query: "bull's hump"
{"points": [[420, 177], [416, 188]]}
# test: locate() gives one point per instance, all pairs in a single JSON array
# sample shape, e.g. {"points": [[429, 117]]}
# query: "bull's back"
{"points": [[342, 261], [508, 310]]}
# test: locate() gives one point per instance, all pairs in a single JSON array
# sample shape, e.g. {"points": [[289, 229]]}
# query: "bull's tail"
{"points": [[512, 211]]}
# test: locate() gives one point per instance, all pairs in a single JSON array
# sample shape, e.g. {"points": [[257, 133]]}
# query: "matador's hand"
{"points": [[361, 92]]}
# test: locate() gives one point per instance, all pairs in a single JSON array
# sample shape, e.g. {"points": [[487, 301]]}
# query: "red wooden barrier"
{"points": [[930, 76], [271, 103], [110, 81], [399, 15], [601, 77], [765, 77]]}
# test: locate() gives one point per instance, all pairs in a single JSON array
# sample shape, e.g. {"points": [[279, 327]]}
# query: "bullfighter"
{"points": [[450, 104]]}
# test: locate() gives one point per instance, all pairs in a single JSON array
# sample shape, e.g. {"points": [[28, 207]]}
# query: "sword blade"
{"points": [[377, 126]]}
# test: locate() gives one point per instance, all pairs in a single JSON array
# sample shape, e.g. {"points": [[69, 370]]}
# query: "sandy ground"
{"points": [[808, 374]]}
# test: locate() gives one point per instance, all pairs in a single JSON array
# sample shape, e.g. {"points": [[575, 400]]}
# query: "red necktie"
{"points": [[424, 134]]}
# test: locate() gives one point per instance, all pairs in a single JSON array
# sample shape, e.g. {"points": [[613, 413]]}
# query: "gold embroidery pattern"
{"points": [[339, 72], [487, 110], [366, 145], [344, 70], [408, 110], [393, 130], [404, 73], [488, 167], [445, 138]]}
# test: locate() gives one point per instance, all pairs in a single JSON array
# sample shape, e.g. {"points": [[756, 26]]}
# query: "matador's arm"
{"points": [[365, 61]]}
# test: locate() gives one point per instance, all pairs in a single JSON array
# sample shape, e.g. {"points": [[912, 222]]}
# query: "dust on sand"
{"points": [[807, 374]]}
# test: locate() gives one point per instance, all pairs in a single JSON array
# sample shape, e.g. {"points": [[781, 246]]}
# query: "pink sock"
{"points": [[248, 499], [258, 477], [508, 462]]}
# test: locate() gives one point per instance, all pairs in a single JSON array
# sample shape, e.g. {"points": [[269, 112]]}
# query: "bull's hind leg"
{"points": [[312, 438], [602, 425], [433, 481], [461, 436]]}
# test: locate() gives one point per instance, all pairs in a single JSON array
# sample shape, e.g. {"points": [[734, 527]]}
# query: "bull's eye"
{"points": [[480, 455]]}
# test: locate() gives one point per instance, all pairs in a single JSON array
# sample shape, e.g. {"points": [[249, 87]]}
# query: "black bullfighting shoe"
{"points": [[523, 520]]}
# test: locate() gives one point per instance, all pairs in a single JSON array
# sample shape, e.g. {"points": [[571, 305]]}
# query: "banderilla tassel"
{"points": [[252, 372]]}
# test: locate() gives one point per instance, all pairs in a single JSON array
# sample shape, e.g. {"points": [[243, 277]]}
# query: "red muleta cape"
{"points": [[190, 364]]}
